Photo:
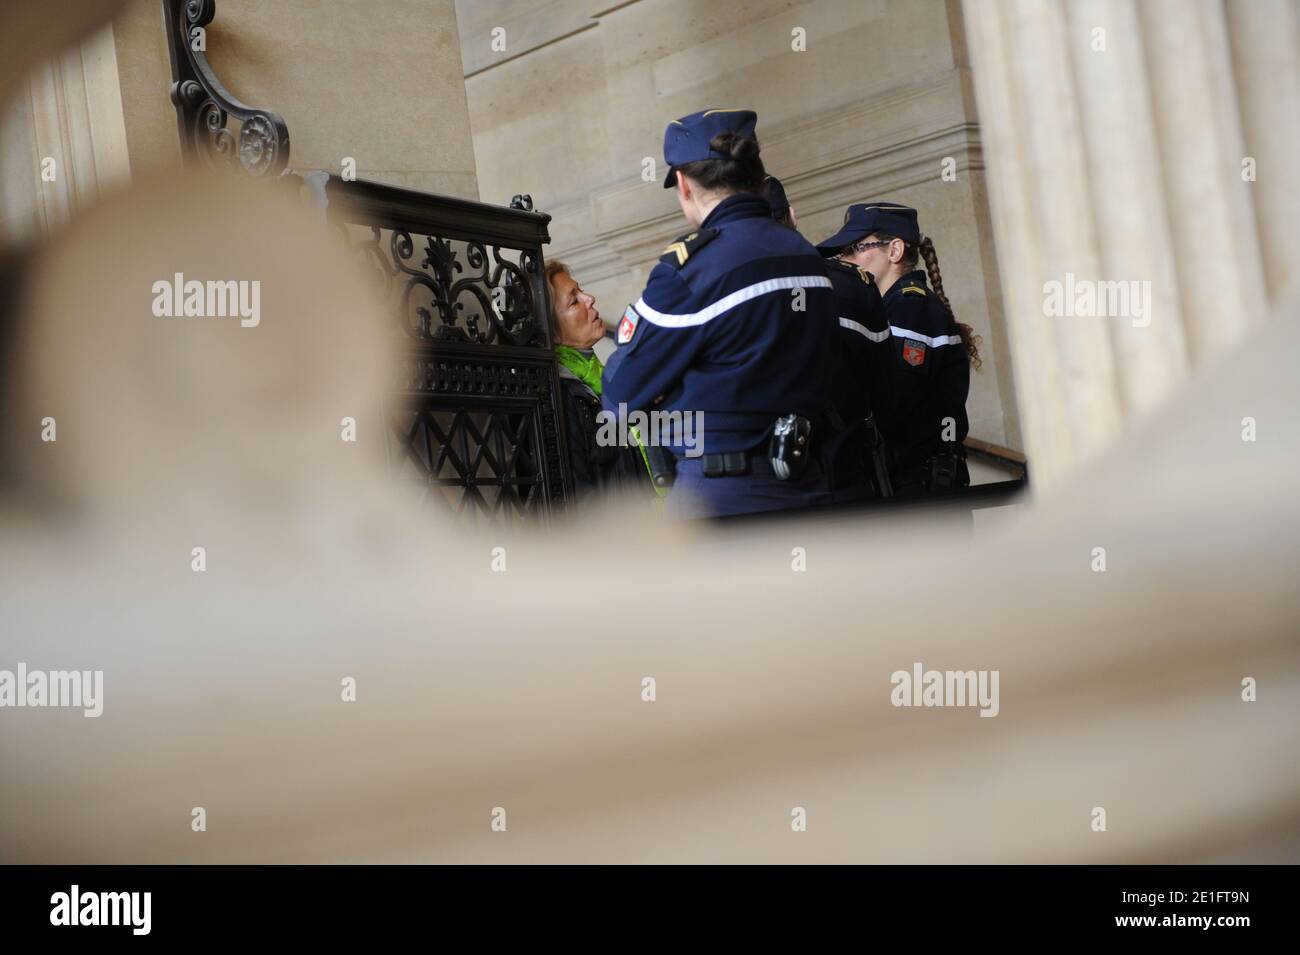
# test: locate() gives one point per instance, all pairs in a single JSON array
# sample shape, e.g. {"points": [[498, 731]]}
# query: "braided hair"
{"points": [[970, 341]]}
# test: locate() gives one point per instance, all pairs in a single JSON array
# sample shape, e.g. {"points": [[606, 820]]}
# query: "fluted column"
{"points": [[1264, 38], [1114, 141], [65, 142]]}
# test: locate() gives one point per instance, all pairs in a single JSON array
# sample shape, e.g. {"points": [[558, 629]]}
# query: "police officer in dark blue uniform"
{"points": [[737, 323], [924, 417], [856, 458]]}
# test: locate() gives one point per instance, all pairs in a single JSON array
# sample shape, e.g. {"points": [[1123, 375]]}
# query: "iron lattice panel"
{"points": [[474, 432], [478, 464]]}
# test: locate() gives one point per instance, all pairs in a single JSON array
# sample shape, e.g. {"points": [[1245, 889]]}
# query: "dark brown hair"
{"points": [[741, 171]]}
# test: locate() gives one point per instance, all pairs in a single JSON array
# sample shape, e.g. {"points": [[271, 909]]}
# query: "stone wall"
{"points": [[378, 81], [579, 97]]}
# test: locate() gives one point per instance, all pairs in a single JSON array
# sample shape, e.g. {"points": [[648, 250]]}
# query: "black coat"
{"points": [[931, 372], [597, 470]]}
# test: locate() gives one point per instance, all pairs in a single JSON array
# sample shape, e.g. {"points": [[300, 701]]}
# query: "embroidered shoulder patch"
{"points": [[627, 325], [913, 352], [679, 251], [914, 290]]}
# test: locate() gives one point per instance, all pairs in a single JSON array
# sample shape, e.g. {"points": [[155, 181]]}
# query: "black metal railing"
{"points": [[204, 106], [472, 412]]}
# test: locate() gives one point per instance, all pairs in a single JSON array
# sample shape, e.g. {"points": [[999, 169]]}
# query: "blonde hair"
{"points": [[553, 270]]}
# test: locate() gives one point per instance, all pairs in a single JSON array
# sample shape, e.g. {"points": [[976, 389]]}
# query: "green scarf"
{"points": [[587, 368]]}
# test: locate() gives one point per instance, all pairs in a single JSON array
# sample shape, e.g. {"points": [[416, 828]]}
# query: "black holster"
{"points": [[878, 455], [947, 469], [791, 447], [663, 465]]}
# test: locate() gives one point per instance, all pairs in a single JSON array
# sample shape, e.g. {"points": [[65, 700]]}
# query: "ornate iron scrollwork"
{"points": [[497, 293], [204, 106], [456, 292]]}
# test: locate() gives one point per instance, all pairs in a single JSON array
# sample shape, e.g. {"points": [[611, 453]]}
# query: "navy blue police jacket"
{"points": [[931, 371], [865, 356], [737, 322]]}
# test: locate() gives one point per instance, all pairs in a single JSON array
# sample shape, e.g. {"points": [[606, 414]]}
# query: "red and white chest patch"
{"points": [[913, 352], [627, 325]]}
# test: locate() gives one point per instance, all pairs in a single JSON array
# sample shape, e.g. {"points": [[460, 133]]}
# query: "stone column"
{"points": [[1264, 38], [1116, 147], [64, 141]]}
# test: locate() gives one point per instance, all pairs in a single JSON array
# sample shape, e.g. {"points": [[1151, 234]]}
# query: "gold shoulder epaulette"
{"points": [[682, 249]]}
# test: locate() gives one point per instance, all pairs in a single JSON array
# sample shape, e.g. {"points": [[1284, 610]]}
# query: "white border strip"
{"points": [[863, 330], [932, 342], [725, 304]]}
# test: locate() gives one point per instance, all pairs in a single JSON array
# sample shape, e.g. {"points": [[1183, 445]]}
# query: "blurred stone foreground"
{"points": [[522, 690]]}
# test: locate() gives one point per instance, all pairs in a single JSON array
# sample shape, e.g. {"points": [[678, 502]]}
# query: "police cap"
{"points": [[687, 139], [865, 218]]}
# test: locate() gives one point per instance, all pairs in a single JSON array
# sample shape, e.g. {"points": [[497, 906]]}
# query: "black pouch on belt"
{"points": [[729, 464]]}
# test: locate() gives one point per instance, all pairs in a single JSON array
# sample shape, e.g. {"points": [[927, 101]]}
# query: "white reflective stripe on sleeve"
{"points": [[937, 340], [728, 302], [863, 330]]}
